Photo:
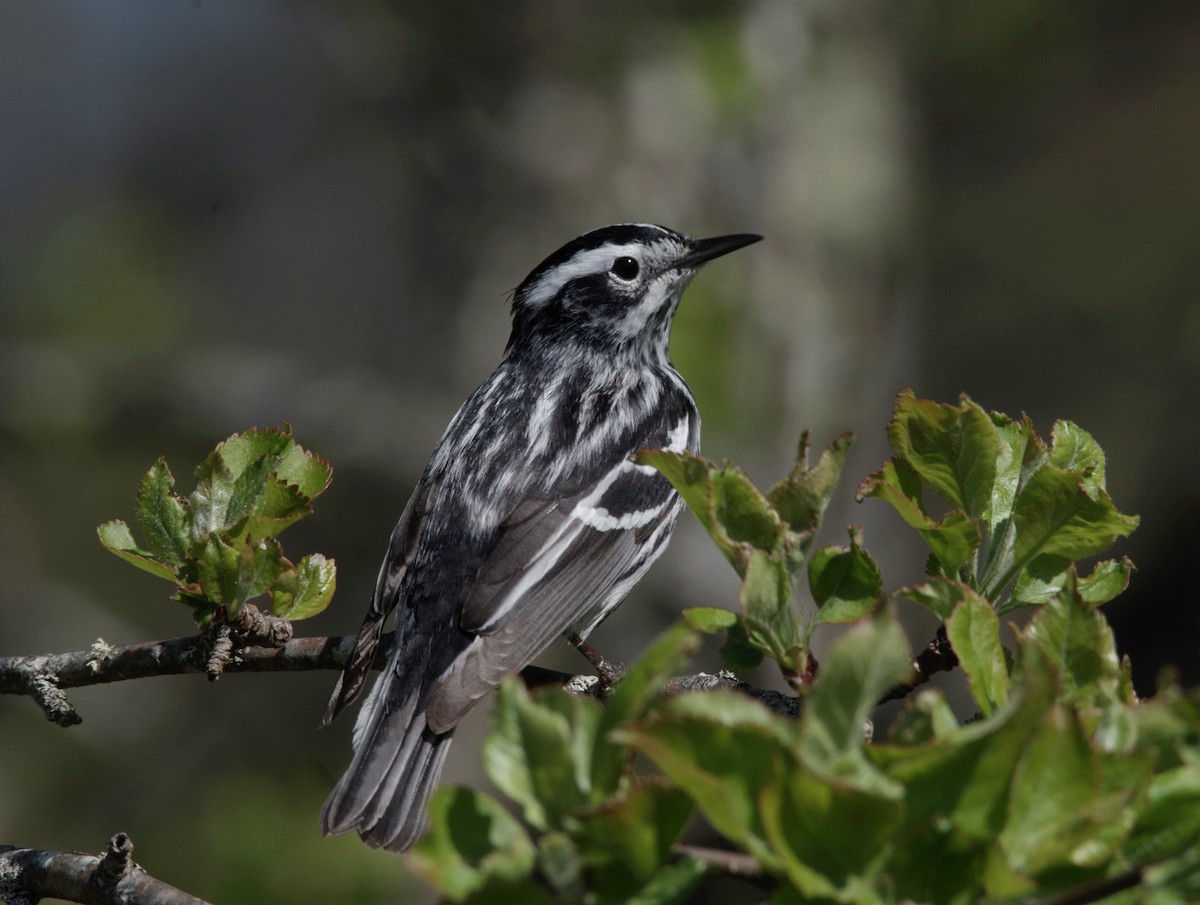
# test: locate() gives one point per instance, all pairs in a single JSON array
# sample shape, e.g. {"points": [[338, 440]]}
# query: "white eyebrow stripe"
{"points": [[582, 263]]}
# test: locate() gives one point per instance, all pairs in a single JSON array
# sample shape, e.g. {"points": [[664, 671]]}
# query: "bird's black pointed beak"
{"points": [[707, 249]]}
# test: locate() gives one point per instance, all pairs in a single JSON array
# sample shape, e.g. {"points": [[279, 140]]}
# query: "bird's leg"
{"points": [[610, 673]]}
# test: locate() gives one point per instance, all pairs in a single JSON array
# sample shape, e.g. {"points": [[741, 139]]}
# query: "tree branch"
{"points": [[28, 875], [234, 649], [938, 656]]}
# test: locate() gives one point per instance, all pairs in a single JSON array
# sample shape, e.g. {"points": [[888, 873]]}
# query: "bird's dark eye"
{"points": [[625, 267]]}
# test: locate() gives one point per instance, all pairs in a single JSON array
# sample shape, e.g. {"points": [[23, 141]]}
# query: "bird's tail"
{"points": [[396, 765]]}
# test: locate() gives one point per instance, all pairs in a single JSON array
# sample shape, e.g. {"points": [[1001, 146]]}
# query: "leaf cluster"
{"points": [[768, 539], [219, 545], [1063, 782]]}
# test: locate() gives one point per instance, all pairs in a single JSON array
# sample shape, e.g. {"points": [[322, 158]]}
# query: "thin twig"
{"points": [[938, 656], [737, 864]]}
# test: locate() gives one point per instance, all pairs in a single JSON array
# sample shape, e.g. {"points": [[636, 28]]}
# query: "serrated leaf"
{"points": [[953, 449], [116, 538], [802, 497], [161, 515], [1068, 808], [472, 839], [733, 511], [722, 749], [860, 667], [770, 618], [939, 595], [1056, 514], [230, 574], [953, 540], [278, 506], [248, 487], [305, 590], [1073, 449], [844, 581], [974, 632], [632, 699], [1047, 575], [825, 833], [304, 470], [243, 451], [638, 827], [1077, 639], [209, 502], [539, 751], [743, 513]]}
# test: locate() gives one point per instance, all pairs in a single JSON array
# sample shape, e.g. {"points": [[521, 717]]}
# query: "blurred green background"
{"points": [[215, 215]]}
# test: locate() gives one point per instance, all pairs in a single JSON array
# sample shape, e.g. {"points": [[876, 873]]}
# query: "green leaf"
{"points": [[1073, 449], [926, 718], [559, 861], [241, 452], [472, 839], [826, 833], [1056, 513], [939, 595], [844, 581], [209, 502], [1047, 575], [860, 667], [772, 624], [690, 475], [709, 619], [1077, 640], [637, 829], [539, 751], [248, 487], [743, 513], [278, 506], [738, 652], [116, 537], [1064, 811], [305, 590], [953, 449], [953, 540], [1170, 822], [670, 884], [231, 575], [722, 748], [962, 774], [632, 700], [161, 516], [1017, 456], [974, 632], [306, 471], [733, 511], [802, 497]]}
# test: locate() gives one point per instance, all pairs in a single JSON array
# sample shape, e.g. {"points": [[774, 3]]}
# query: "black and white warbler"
{"points": [[530, 520]]}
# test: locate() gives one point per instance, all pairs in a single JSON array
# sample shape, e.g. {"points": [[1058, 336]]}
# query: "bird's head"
{"points": [[614, 289]]}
